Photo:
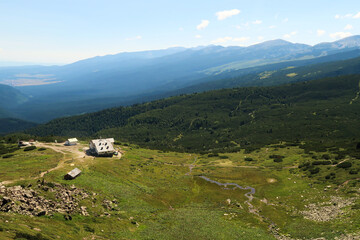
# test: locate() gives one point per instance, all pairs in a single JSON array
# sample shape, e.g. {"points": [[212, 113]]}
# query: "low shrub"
{"points": [[223, 157], [8, 155], [321, 162], [330, 176], [276, 156], [326, 156], [344, 165], [29, 148], [353, 171], [213, 155], [41, 149], [314, 170], [278, 160], [248, 159]]}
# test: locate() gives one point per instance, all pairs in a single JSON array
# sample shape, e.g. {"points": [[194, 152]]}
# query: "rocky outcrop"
{"points": [[28, 201], [322, 212]]}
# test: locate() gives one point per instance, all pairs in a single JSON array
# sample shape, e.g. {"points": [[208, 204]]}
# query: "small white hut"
{"points": [[72, 174], [71, 142]]}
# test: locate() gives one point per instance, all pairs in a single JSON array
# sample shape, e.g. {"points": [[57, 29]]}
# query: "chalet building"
{"points": [[23, 143], [102, 147], [71, 142]]}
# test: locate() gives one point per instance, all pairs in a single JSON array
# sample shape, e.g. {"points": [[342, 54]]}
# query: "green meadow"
{"points": [[158, 197]]}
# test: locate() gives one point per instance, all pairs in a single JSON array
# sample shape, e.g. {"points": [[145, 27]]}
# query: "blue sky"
{"points": [[64, 31]]}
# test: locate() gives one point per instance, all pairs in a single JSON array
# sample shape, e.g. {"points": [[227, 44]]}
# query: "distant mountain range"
{"points": [[96, 83]]}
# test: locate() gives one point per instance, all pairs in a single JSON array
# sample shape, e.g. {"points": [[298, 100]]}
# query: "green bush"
{"points": [[248, 159], [213, 155], [353, 171], [8, 155], [277, 158], [326, 156], [321, 162], [42, 149], [314, 170], [344, 165], [224, 157], [330, 176], [29, 148], [89, 229]]}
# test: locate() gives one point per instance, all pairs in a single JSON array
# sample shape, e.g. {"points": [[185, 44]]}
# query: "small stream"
{"points": [[252, 209], [249, 195]]}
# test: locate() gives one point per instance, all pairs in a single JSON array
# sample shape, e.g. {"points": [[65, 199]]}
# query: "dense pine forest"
{"points": [[320, 114]]}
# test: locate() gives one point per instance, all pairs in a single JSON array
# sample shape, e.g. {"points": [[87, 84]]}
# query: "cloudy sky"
{"points": [[64, 31]]}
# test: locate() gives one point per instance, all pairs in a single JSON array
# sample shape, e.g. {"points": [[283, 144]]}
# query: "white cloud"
{"points": [[228, 39], [289, 35], [349, 15], [339, 35], [0, 49], [257, 22], [285, 20], [181, 29], [320, 32], [203, 24], [260, 38], [227, 13], [272, 26], [348, 27], [222, 40], [198, 36], [133, 38]]}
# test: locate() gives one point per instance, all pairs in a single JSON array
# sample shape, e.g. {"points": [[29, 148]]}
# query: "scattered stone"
{"points": [[84, 211], [228, 201], [326, 211], [28, 202]]}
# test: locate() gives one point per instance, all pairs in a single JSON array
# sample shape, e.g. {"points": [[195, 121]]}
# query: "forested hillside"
{"points": [[282, 73], [10, 98], [325, 112], [8, 125]]}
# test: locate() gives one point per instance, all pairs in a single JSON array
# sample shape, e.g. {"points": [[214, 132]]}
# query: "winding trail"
{"points": [[72, 151], [191, 166]]}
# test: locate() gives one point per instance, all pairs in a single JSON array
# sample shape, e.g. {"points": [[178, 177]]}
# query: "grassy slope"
{"points": [[152, 187]]}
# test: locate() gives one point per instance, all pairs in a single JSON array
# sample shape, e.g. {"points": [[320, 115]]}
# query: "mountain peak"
{"points": [[348, 42], [274, 43]]}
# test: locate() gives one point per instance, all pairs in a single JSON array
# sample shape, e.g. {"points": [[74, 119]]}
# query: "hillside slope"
{"points": [[9, 99], [324, 111], [9, 125]]}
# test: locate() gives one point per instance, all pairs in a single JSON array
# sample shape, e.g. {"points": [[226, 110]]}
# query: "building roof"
{"points": [[74, 173], [72, 140], [103, 145]]}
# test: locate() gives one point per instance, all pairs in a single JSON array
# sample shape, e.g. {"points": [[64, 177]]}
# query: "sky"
{"points": [[65, 31]]}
